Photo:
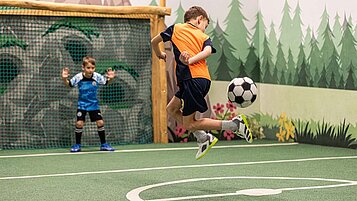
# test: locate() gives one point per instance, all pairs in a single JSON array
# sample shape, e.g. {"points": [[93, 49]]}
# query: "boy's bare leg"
{"points": [[174, 109]]}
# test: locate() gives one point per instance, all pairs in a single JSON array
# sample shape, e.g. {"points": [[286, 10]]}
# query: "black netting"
{"points": [[38, 111]]}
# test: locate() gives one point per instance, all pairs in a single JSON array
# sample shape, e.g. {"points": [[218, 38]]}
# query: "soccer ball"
{"points": [[242, 91]]}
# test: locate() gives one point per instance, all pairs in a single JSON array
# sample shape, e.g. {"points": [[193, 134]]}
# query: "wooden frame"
{"points": [[156, 14]]}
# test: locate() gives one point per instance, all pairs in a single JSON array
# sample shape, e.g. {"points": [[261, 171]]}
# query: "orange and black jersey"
{"points": [[187, 37]]}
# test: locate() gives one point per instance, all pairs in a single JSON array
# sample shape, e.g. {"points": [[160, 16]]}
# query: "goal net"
{"points": [[38, 111]]}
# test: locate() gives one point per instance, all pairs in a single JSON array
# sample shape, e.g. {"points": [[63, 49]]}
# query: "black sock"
{"points": [[101, 133], [78, 133]]}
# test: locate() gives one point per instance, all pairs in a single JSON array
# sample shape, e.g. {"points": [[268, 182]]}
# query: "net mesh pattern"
{"points": [[38, 111]]}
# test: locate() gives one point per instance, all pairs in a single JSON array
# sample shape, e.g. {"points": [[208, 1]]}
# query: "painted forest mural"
{"points": [[288, 52]]}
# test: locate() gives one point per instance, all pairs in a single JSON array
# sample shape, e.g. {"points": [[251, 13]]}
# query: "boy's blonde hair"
{"points": [[88, 60], [194, 12]]}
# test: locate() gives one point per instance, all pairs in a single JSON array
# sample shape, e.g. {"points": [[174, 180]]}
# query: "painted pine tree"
{"points": [[322, 83], [296, 36], [315, 59], [223, 72], [232, 62], [316, 77], [267, 78], [180, 12], [351, 79], [273, 42], [242, 70], [322, 27], [327, 46], [236, 30], [333, 68], [337, 32], [255, 74], [282, 79], [304, 79], [332, 83], [275, 76], [251, 61], [267, 63], [153, 3], [307, 39], [348, 53], [285, 28], [291, 68], [212, 60], [301, 57], [280, 63], [258, 35]]}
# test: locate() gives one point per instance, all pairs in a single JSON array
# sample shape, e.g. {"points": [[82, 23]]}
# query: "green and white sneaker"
{"points": [[243, 128], [204, 147]]}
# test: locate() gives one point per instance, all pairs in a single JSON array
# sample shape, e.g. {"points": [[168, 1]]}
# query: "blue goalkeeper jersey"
{"points": [[88, 90]]}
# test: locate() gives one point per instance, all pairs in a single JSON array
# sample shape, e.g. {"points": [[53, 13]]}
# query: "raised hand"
{"points": [[65, 73], [110, 73]]}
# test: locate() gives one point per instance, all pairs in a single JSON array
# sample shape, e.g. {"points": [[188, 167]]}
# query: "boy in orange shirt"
{"points": [[191, 47]]}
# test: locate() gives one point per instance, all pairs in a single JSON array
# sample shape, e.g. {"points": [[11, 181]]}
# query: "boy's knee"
{"points": [[100, 123], [79, 124]]}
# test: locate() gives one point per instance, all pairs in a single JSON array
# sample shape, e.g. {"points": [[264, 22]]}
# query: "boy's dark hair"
{"points": [[194, 12], [88, 60]]}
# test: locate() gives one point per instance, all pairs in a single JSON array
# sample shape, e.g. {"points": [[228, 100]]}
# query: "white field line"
{"points": [[178, 167], [147, 150]]}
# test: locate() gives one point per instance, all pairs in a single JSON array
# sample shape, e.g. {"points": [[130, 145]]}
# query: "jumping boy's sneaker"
{"points": [[106, 147], [76, 148], [204, 147], [243, 127]]}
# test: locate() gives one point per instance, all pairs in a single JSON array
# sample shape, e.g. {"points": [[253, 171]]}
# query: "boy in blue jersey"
{"points": [[88, 82]]}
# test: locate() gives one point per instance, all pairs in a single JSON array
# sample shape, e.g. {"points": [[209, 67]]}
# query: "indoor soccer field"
{"points": [[235, 170]]}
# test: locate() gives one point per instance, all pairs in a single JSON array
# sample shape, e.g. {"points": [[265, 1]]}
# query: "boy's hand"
{"points": [[184, 57], [110, 73], [65, 73], [162, 55]]}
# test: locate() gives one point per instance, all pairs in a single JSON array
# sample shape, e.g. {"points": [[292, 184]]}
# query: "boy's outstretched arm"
{"points": [[155, 46], [110, 75], [65, 75]]}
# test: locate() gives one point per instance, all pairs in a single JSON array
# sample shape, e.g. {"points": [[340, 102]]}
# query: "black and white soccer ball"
{"points": [[242, 91]]}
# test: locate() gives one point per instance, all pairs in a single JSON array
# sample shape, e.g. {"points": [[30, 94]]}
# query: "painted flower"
{"points": [[230, 106], [229, 135], [231, 116], [184, 140], [281, 136], [180, 130], [290, 128], [218, 108]]}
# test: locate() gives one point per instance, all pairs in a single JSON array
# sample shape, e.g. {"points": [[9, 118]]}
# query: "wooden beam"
{"points": [[152, 10], [155, 87], [163, 84]]}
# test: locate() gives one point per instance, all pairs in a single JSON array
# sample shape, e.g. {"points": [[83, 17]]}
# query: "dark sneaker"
{"points": [[106, 147], [204, 147], [76, 148], [243, 128]]}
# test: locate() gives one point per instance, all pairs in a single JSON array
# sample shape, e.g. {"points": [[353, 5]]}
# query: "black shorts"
{"points": [[192, 93], [94, 115]]}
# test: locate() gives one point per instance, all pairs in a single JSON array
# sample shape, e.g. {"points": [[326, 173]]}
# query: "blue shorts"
{"points": [[192, 93]]}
